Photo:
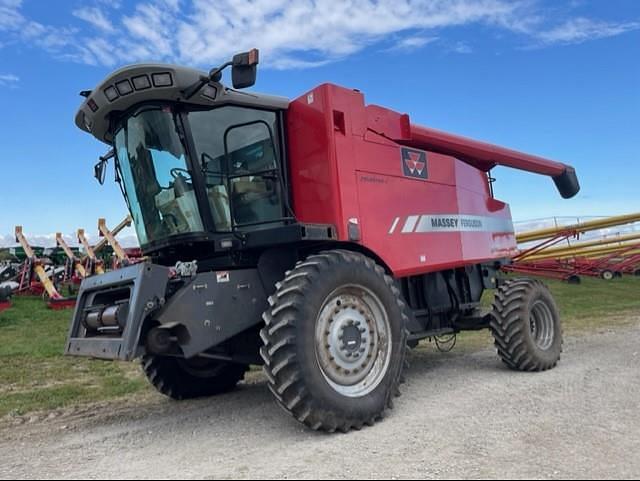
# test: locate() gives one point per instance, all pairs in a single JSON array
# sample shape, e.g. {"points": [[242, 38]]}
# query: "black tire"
{"points": [[293, 358], [607, 275], [526, 326], [637, 273], [181, 379]]}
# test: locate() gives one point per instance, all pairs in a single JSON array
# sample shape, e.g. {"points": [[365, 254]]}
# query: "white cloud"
{"points": [[290, 33], [96, 17], [412, 43], [579, 30], [461, 48], [126, 239], [8, 80]]}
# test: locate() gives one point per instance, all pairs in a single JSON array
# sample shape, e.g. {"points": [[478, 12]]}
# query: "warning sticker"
{"points": [[223, 277]]}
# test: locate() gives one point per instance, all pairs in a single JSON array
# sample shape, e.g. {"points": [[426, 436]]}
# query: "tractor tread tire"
{"points": [[170, 379], [511, 329], [282, 365]]}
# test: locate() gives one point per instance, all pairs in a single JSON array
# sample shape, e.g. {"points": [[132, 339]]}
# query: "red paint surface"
{"points": [[346, 163]]}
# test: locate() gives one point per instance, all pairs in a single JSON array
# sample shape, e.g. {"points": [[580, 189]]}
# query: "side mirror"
{"points": [[245, 69], [100, 171]]}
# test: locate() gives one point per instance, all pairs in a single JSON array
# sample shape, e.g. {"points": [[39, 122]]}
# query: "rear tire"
{"points": [[526, 326], [188, 379], [335, 341]]}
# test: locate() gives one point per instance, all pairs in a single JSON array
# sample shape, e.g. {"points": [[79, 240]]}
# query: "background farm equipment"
{"points": [[551, 253], [48, 271], [34, 267]]}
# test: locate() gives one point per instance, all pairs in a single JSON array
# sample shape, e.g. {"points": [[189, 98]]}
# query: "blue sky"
{"points": [[557, 79]]}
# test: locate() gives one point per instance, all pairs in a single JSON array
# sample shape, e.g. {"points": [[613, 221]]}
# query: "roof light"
{"points": [[124, 87], [162, 80], [111, 93], [92, 105], [141, 82]]}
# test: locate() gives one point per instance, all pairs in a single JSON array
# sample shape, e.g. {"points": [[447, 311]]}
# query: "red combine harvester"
{"points": [[319, 237]]}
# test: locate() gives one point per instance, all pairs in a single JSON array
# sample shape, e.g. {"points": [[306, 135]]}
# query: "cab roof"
{"points": [[140, 83]]}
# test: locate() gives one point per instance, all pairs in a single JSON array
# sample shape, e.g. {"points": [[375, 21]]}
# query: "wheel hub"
{"points": [[542, 326], [352, 339]]}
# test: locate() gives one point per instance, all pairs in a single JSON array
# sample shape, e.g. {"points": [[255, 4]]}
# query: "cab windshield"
{"points": [[235, 156]]}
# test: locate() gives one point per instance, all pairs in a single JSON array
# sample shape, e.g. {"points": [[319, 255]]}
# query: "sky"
{"points": [[560, 79]]}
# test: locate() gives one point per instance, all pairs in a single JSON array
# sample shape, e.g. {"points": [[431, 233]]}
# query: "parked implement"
{"points": [[33, 266], [552, 254], [319, 237]]}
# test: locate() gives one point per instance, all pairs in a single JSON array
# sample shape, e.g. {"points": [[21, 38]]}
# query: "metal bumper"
{"points": [[143, 286], [203, 312]]}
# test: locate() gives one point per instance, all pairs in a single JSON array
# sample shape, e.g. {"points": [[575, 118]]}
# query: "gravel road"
{"points": [[461, 416]]}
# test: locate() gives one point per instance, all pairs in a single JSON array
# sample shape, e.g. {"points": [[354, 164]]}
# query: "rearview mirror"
{"points": [[244, 69], [100, 171]]}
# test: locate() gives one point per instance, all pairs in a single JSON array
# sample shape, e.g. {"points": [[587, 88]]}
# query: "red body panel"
{"points": [[419, 211]]}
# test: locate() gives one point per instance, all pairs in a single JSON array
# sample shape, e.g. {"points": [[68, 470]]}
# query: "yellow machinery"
{"points": [[110, 238], [98, 268], [545, 255], [606, 245], [77, 264], [575, 230], [56, 301]]}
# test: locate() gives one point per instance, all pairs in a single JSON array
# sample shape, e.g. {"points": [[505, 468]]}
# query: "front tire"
{"points": [[335, 341], [182, 379], [526, 326]]}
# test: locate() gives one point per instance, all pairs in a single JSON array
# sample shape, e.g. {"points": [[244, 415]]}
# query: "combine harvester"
{"points": [[601, 257], [45, 284], [319, 237]]}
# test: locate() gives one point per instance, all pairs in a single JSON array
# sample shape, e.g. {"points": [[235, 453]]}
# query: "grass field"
{"points": [[34, 375]]}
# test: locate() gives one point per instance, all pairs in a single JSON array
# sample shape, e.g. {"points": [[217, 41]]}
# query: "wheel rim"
{"points": [[542, 325], [353, 341], [607, 275]]}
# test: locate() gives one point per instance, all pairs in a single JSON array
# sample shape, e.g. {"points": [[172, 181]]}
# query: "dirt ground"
{"points": [[462, 415]]}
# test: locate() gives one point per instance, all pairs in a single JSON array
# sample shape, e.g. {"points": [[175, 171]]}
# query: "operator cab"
{"points": [[196, 162]]}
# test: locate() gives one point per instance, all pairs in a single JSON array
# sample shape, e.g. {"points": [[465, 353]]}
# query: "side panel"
{"points": [[419, 211]]}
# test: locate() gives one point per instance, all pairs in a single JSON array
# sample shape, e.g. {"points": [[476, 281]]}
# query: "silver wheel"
{"points": [[542, 325], [353, 344], [608, 275]]}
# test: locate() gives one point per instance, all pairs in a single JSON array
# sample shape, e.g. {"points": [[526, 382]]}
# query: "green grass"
{"points": [[34, 375]]}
